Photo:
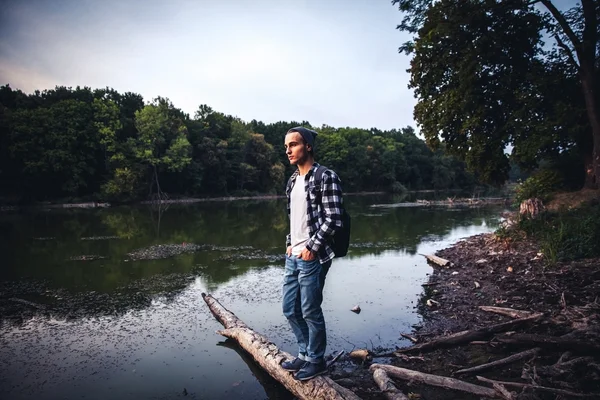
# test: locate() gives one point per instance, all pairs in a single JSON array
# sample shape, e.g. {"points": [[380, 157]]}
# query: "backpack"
{"points": [[341, 240]]}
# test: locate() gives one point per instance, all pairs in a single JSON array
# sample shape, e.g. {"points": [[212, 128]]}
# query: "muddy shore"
{"points": [[489, 271]]}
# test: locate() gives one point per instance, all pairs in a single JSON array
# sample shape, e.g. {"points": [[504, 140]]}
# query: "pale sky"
{"points": [[332, 62]]}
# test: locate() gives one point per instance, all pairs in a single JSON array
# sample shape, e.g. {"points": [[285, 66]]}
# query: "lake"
{"points": [[106, 303]]}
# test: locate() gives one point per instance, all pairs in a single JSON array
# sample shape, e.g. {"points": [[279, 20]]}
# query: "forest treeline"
{"points": [[100, 144]]}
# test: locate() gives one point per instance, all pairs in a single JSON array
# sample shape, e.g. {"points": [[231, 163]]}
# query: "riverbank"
{"points": [[492, 271], [448, 202]]}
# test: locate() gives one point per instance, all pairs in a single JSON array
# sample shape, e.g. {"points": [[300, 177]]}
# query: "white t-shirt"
{"points": [[298, 218]]}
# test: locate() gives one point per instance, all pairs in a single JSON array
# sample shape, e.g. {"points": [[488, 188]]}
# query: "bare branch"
{"points": [[563, 24], [567, 50]]}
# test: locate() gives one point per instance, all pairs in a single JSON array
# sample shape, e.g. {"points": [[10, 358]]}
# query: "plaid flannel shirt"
{"points": [[324, 210]]}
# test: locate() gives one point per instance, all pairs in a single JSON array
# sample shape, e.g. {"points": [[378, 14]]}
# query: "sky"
{"points": [[333, 62]]}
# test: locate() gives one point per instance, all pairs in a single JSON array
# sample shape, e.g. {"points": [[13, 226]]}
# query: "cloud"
{"points": [[326, 62]]}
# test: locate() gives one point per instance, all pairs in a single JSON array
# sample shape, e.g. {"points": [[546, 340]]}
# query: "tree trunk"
{"points": [[554, 343], [435, 380], [467, 336], [389, 390], [269, 357], [503, 361], [593, 167]]}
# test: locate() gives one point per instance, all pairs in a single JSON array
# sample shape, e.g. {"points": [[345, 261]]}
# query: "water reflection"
{"points": [[100, 319]]}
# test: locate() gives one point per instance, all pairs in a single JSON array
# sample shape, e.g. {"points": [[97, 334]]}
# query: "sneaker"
{"points": [[310, 370], [294, 365]]}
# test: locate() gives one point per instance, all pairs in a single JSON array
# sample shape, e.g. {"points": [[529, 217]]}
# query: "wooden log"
{"points": [[503, 361], [262, 376], [389, 390], [555, 343], [469, 335], [539, 388], [509, 312], [531, 208], [435, 380], [503, 392], [442, 262], [411, 338], [269, 357]]}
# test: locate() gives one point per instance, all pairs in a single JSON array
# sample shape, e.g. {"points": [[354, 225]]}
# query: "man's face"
{"points": [[295, 148]]}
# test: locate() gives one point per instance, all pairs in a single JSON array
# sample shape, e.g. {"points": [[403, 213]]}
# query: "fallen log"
{"points": [[540, 388], [509, 312], [469, 335], [503, 392], [262, 376], [555, 343], [387, 386], [503, 361], [269, 357], [442, 262], [435, 380], [411, 338]]}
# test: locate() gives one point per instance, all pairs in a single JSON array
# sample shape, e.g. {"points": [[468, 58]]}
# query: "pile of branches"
{"points": [[564, 365]]}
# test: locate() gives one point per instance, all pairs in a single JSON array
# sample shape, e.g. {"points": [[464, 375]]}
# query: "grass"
{"points": [[565, 235]]}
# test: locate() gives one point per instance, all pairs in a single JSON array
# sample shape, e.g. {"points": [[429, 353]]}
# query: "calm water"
{"points": [[82, 317]]}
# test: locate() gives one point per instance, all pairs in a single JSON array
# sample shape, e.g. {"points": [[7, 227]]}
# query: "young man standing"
{"points": [[315, 212]]}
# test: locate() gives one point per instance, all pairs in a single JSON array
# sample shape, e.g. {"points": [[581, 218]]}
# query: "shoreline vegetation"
{"points": [[450, 202], [85, 144]]}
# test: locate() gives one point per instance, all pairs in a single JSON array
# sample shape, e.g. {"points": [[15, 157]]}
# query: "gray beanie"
{"points": [[307, 134]]}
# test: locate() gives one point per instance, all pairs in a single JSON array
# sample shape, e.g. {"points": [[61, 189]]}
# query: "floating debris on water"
{"points": [[100, 237], [90, 257], [161, 251]]}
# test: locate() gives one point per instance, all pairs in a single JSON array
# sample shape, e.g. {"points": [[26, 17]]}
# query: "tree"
{"points": [[477, 66], [577, 34], [161, 140], [55, 148]]}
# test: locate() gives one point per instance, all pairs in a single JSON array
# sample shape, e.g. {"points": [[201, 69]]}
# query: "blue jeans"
{"points": [[302, 297]]}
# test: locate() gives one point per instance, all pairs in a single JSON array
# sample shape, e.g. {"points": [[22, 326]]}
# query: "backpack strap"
{"points": [[319, 174]]}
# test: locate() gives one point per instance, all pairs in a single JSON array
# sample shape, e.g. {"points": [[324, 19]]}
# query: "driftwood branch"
{"points": [[470, 335], [503, 392], [269, 357], [442, 262], [411, 338], [435, 380], [387, 386], [539, 388], [509, 312], [503, 361], [555, 343]]}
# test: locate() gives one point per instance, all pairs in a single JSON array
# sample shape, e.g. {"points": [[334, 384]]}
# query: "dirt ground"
{"points": [[573, 199], [489, 271]]}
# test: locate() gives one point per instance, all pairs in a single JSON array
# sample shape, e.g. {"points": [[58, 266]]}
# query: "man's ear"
{"points": [[308, 147]]}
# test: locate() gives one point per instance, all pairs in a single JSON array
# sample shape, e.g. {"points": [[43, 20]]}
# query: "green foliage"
{"points": [[541, 185], [124, 185], [161, 141], [485, 80], [111, 146], [567, 235]]}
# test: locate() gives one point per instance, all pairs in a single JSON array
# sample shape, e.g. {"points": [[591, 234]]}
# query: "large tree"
{"points": [[161, 141], [485, 79]]}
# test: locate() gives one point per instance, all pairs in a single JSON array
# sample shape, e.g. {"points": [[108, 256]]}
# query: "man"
{"points": [[314, 209]]}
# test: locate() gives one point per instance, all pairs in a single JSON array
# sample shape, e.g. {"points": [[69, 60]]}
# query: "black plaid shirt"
{"points": [[324, 210]]}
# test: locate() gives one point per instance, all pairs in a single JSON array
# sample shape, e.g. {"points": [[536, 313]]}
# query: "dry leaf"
{"points": [[509, 269], [477, 285]]}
